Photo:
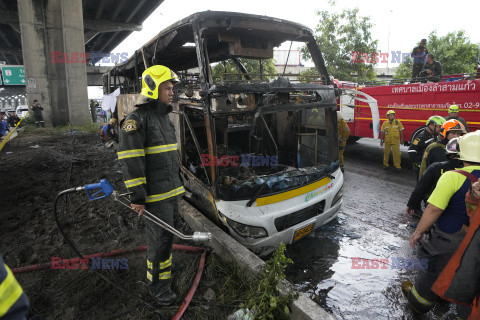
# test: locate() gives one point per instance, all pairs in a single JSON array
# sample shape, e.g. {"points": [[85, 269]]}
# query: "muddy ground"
{"points": [[38, 164]]}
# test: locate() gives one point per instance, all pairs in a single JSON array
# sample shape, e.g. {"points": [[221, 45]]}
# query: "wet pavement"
{"points": [[334, 265]]}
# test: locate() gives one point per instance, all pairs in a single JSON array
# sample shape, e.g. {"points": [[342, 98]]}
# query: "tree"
{"points": [[404, 70], [454, 51], [309, 75], [252, 66], [347, 45]]}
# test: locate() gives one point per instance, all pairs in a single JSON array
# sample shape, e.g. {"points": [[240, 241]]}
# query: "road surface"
{"points": [[334, 265]]}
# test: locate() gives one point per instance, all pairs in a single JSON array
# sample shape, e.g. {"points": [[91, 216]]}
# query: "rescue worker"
{"points": [[392, 137], [447, 213], [429, 180], [453, 114], [13, 119], [459, 281], [435, 152], [148, 150], [93, 110], [343, 134], [316, 119], [418, 56], [108, 134], [14, 303], [422, 140], [37, 113], [432, 70]]}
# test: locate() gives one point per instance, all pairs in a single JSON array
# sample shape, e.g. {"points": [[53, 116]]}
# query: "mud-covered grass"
{"points": [[36, 166]]}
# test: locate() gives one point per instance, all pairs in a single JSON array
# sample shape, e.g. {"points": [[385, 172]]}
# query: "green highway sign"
{"points": [[13, 75]]}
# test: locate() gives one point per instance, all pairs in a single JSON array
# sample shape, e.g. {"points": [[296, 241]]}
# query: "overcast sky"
{"points": [[408, 20]]}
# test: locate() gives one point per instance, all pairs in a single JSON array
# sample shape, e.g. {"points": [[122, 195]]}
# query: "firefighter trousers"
{"points": [[159, 246], [437, 249], [39, 120], [395, 153]]}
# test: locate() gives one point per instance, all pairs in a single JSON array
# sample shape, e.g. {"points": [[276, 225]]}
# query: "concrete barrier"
{"points": [[229, 249]]}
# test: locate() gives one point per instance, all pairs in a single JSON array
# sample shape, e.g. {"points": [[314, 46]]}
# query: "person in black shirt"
{"points": [[422, 140], [428, 181], [432, 70], [418, 56]]}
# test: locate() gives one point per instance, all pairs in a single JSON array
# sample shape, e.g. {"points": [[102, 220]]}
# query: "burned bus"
{"points": [[258, 150]]}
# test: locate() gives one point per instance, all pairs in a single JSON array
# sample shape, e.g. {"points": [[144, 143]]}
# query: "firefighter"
{"points": [[37, 113], [429, 180], [447, 214], [148, 150], [453, 114], [343, 134], [93, 110], [418, 56], [423, 139], [14, 303], [432, 70], [435, 152], [392, 137], [13, 119]]}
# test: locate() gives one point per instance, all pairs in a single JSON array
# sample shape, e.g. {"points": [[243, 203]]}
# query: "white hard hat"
{"points": [[339, 115], [469, 146]]}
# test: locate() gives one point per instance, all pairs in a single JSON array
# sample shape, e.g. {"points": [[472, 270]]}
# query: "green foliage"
{"points": [[404, 70], [266, 302], [309, 75], [252, 66], [454, 51], [30, 127], [339, 35]]}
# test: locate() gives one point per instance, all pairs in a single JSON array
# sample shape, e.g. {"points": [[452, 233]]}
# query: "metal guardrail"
{"points": [[445, 78]]}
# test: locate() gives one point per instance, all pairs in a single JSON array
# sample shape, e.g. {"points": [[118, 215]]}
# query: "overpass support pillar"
{"points": [[49, 29]]}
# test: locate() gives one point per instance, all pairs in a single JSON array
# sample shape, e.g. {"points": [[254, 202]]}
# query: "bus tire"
{"points": [[353, 139]]}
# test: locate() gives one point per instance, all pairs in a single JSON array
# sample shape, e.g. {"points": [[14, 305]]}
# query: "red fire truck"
{"points": [[413, 104]]}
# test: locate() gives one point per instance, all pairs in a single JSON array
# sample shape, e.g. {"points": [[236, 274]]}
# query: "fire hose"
{"points": [[104, 189]]}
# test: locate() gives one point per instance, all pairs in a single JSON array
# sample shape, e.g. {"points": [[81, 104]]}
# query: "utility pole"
{"points": [[388, 41]]}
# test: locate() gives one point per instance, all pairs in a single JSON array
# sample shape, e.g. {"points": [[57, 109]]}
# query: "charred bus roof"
{"points": [[225, 34]]}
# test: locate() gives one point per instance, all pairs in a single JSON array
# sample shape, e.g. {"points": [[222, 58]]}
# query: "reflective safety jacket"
{"points": [[148, 150], [435, 152], [392, 131], [459, 281], [13, 301]]}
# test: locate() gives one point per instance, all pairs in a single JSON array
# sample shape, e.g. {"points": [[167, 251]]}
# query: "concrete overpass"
{"points": [[33, 32]]}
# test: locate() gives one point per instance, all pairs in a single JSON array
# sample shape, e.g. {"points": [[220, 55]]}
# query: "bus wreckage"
{"points": [[259, 152]]}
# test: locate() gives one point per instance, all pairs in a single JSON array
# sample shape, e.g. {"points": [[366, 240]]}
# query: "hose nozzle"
{"points": [[201, 236]]}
